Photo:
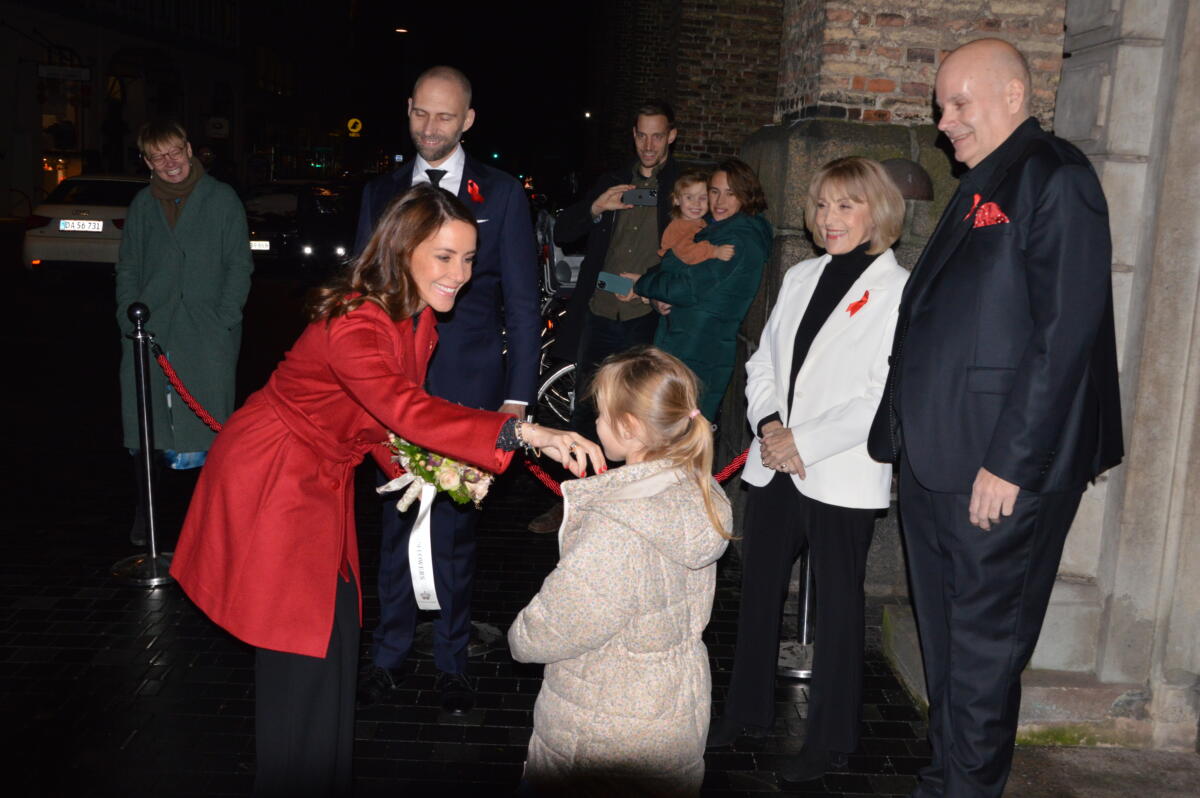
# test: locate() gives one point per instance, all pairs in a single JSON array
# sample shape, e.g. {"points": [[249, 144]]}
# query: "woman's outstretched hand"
{"points": [[569, 448]]}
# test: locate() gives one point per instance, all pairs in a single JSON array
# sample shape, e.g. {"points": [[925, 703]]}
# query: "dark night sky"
{"points": [[526, 62]]}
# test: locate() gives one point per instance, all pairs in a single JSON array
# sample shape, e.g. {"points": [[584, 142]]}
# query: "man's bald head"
{"points": [[983, 89], [446, 73]]}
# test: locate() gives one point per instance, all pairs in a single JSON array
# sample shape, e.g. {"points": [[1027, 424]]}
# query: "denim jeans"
{"points": [[600, 338]]}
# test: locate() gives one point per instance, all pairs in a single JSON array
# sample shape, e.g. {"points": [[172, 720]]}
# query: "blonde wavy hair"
{"points": [[864, 181], [662, 393]]}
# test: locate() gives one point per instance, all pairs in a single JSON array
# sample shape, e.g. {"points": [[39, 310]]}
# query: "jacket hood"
{"points": [[648, 500]]}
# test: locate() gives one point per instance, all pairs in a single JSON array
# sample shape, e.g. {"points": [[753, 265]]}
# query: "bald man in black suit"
{"points": [[1002, 404]]}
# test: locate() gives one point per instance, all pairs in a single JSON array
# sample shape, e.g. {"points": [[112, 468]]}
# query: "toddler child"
{"points": [[690, 201], [624, 707]]}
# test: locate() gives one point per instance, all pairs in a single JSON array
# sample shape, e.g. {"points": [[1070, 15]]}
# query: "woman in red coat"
{"points": [[268, 549]]}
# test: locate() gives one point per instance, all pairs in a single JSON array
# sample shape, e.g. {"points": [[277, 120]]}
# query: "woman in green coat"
{"points": [[703, 305], [185, 253]]}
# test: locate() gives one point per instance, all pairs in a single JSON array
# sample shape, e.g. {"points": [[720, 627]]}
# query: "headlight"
{"points": [[341, 252], [307, 249]]}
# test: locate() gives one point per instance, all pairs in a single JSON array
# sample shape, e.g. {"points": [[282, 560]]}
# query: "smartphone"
{"points": [[607, 281], [640, 196]]}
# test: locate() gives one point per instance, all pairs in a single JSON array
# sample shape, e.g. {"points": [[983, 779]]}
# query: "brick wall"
{"points": [[715, 61], [800, 58], [727, 73], [878, 58]]}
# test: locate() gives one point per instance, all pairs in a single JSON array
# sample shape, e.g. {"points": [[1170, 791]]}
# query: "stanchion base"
{"points": [[484, 638], [143, 570], [795, 660]]}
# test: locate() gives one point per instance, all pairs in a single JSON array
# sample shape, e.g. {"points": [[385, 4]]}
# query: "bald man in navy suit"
{"points": [[469, 367]]}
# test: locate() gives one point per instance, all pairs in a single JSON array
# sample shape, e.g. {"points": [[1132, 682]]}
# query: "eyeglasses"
{"points": [[161, 158]]}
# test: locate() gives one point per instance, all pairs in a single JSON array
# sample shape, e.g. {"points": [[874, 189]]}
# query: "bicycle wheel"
{"points": [[556, 397]]}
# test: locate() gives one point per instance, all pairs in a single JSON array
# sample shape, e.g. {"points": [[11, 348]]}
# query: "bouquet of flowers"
{"points": [[461, 482]]}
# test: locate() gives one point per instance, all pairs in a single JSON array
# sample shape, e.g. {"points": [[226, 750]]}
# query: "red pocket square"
{"points": [[857, 305], [989, 213]]}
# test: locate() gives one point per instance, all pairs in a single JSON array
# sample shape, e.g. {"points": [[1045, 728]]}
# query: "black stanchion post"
{"points": [[151, 568], [802, 668]]}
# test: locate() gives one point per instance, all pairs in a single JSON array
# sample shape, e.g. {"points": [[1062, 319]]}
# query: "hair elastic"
{"points": [[695, 412]]}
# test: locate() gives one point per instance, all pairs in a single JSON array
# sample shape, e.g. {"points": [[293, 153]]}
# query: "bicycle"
{"points": [[556, 381]]}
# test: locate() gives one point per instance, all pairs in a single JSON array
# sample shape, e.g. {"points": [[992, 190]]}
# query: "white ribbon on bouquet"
{"points": [[420, 550]]}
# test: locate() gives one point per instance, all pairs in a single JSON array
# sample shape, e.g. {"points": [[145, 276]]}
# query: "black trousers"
{"points": [[304, 713], [452, 538], [778, 523], [600, 337], [980, 599]]}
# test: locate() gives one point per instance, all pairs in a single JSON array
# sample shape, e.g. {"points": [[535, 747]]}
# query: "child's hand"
{"points": [[725, 252]]}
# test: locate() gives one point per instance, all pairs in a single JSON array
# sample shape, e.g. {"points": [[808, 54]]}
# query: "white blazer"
{"points": [[838, 387]]}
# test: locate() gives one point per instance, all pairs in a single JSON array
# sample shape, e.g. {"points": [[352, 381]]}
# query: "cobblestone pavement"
{"points": [[116, 690]]}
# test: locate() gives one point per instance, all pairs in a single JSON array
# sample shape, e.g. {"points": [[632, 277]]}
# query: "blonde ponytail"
{"points": [[660, 391]]}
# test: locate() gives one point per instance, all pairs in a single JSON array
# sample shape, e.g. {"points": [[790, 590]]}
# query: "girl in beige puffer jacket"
{"points": [[624, 707]]}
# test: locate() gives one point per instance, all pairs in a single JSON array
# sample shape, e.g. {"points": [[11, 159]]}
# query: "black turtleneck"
{"points": [[839, 274]]}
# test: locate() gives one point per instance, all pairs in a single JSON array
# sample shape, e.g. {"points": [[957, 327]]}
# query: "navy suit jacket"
{"points": [[1005, 353], [470, 366]]}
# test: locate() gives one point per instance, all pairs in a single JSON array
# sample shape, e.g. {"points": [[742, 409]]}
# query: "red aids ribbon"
{"points": [[857, 305], [473, 190]]}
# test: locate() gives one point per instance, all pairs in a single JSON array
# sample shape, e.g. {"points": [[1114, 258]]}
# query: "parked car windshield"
{"points": [[76, 191]]}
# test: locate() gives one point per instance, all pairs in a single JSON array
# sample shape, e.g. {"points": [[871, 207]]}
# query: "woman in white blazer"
{"points": [[812, 389]]}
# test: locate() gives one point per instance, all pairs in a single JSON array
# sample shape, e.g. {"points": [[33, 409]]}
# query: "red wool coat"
{"points": [[272, 518]]}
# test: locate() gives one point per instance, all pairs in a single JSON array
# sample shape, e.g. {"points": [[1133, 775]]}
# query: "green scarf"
{"points": [[174, 196]]}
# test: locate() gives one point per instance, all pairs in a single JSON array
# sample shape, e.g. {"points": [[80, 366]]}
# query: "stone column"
{"points": [[1150, 631]]}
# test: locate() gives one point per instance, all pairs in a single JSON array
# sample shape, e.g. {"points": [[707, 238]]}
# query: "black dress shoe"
{"points": [[724, 731], [375, 683], [811, 764], [458, 696]]}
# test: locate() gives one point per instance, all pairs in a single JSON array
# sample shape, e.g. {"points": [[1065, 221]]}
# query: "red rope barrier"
{"points": [[185, 394], [543, 477], [734, 465], [547, 480]]}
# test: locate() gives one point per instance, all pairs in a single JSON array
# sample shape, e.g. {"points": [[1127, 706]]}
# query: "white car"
{"points": [[80, 222]]}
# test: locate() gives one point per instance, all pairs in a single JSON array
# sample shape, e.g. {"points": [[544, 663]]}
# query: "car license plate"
{"points": [[85, 225], [264, 245]]}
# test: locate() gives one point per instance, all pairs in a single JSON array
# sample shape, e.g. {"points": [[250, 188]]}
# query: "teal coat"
{"points": [[194, 279], [709, 300]]}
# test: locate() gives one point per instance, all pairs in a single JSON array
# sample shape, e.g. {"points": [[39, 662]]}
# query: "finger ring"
{"points": [[572, 446]]}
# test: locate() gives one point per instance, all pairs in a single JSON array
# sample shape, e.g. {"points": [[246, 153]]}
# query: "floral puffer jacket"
{"points": [[624, 707]]}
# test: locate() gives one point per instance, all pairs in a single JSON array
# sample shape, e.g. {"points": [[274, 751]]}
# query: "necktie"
{"points": [[435, 176]]}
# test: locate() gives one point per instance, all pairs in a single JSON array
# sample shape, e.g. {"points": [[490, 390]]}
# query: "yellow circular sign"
{"points": [[354, 125]]}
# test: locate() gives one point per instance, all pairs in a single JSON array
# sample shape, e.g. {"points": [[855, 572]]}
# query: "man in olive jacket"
{"points": [[620, 238], [185, 253]]}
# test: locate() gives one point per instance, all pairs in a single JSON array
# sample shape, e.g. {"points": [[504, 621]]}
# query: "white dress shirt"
{"points": [[452, 180]]}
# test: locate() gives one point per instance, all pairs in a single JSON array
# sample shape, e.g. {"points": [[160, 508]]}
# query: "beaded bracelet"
{"points": [[511, 439]]}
